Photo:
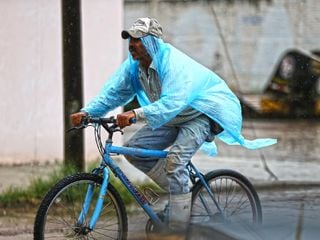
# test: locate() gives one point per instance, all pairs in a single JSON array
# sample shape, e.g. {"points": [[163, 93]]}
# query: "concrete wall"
{"points": [[31, 73], [256, 34]]}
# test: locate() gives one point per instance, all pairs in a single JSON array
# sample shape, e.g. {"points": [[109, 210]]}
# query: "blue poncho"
{"points": [[184, 82]]}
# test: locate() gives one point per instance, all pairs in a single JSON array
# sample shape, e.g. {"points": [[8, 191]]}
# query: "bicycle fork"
{"points": [[210, 192], [99, 204]]}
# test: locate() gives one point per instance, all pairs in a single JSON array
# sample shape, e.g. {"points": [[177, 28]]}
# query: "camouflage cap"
{"points": [[143, 27]]}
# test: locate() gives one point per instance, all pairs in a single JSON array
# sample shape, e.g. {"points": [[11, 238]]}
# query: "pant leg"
{"points": [[189, 139], [158, 139]]}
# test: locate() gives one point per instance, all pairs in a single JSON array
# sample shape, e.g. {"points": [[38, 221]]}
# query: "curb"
{"points": [[287, 185]]}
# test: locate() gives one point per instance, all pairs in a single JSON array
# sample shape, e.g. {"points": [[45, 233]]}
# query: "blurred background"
{"points": [[266, 50], [56, 55]]}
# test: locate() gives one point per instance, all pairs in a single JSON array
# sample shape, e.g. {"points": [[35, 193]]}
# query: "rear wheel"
{"points": [[234, 194], [59, 211]]}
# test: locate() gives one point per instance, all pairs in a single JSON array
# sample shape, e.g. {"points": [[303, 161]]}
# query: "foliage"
{"points": [[31, 196]]}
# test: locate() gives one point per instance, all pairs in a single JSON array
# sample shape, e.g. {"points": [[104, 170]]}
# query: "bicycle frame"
{"points": [[140, 198]]}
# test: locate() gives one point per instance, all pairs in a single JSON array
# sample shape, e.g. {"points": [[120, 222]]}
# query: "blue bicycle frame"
{"points": [[142, 201]]}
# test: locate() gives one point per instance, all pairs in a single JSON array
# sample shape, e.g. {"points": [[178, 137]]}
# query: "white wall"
{"points": [[31, 120], [102, 52]]}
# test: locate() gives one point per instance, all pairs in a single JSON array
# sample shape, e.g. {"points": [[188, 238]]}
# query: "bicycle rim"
{"points": [[58, 215], [235, 196]]}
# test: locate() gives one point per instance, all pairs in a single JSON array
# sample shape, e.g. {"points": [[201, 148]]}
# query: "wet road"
{"points": [[282, 212], [287, 215], [291, 214], [297, 140], [295, 160]]}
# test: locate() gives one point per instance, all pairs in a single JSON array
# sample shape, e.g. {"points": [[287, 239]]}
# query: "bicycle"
{"points": [[87, 205]]}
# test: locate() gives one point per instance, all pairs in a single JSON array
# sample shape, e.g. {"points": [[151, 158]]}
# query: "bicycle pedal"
{"points": [[150, 195]]}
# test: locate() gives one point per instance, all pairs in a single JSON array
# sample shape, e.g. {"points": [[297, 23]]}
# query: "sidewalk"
{"points": [[288, 173], [290, 162], [22, 175]]}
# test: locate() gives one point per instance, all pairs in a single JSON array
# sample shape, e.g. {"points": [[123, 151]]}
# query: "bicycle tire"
{"points": [[239, 186], [55, 218]]}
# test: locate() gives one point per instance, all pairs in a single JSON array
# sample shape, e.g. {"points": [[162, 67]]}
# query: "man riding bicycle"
{"points": [[183, 104]]}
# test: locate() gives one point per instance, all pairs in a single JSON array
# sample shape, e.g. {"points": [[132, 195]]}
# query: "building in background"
{"points": [[31, 73], [256, 32]]}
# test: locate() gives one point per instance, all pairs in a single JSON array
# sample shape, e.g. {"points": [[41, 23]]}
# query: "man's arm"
{"points": [[117, 91]]}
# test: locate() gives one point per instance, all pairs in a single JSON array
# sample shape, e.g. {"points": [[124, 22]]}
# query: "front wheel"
{"points": [[233, 193], [58, 214]]}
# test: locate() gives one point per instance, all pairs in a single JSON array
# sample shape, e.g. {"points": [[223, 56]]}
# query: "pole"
{"points": [[72, 80]]}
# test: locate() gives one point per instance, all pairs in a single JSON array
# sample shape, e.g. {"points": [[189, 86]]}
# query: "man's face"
{"points": [[137, 49]]}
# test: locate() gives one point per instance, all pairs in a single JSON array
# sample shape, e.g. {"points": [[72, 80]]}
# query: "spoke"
{"points": [[92, 236], [240, 208], [234, 198], [239, 203], [59, 204], [219, 190], [227, 195], [109, 225], [198, 205], [99, 233], [62, 234], [61, 221], [105, 211], [226, 200], [107, 229]]}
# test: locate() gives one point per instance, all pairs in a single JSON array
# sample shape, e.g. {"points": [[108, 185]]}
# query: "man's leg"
{"points": [[158, 139], [190, 137]]}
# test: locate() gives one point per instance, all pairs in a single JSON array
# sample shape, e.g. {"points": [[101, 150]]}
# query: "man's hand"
{"points": [[123, 119], [76, 118]]}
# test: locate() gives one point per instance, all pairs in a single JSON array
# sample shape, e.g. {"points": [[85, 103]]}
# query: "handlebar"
{"points": [[110, 120], [88, 120], [105, 122], [109, 124]]}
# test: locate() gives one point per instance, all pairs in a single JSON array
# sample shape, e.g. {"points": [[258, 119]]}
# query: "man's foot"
{"points": [[179, 211]]}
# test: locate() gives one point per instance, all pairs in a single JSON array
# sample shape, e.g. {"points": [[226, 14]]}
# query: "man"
{"points": [[183, 104]]}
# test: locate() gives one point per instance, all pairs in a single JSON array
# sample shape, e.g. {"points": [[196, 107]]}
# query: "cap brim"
{"points": [[125, 34]]}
